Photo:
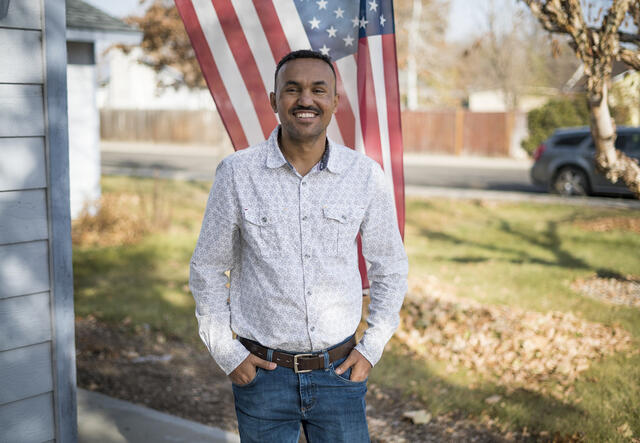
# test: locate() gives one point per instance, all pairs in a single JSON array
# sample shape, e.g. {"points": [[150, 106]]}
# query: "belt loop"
{"points": [[269, 354], [326, 359]]}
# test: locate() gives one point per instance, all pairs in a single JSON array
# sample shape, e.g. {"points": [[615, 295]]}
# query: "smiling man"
{"points": [[283, 218]]}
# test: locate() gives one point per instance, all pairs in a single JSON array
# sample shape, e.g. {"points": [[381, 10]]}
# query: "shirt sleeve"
{"points": [[382, 247], [214, 255]]}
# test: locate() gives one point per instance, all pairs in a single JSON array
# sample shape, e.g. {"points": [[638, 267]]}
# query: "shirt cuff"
{"points": [[227, 352]]}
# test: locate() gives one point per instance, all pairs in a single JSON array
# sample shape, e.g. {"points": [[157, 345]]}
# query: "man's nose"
{"points": [[305, 98]]}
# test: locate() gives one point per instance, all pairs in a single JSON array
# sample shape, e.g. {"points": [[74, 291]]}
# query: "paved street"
{"points": [[199, 163], [425, 174]]}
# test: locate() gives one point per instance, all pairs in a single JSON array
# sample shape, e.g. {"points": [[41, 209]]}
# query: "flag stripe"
{"points": [[242, 54], [257, 40], [344, 114], [367, 104], [348, 70], [395, 123], [210, 71], [377, 68], [229, 72], [291, 24], [273, 29]]}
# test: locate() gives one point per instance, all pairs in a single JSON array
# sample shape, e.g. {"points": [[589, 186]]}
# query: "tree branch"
{"points": [[631, 58], [613, 19], [628, 37]]}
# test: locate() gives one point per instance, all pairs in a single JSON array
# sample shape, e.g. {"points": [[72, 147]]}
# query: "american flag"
{"points": [[239, 42]]}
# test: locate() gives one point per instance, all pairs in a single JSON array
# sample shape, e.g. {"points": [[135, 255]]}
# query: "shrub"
{"points": [[556, 113]]}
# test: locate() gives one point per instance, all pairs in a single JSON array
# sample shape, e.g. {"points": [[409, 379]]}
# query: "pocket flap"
{"points": [[342, 214], [257, 217]]}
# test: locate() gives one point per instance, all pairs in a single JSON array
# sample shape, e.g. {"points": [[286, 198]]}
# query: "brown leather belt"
{"points": [[299, 362]]}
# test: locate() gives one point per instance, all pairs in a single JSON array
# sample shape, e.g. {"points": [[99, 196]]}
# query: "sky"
{"points": [[463, 16]]}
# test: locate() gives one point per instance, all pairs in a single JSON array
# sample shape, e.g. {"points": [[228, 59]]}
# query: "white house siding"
{"points": [[129, 84], [84, 133], [37, 388]]}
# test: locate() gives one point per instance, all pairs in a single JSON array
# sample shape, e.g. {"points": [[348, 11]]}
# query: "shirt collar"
{"points": [[330, 159]]}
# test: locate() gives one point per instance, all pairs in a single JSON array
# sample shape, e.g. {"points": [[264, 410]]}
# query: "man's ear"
{"points": [[272, 100], [336, 100]]}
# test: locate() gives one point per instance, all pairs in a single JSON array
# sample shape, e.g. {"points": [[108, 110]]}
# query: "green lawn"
{"points": [[521, 255]]}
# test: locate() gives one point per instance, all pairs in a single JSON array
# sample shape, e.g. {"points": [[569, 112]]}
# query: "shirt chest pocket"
{"points": [[339, 228], [262, 232]]}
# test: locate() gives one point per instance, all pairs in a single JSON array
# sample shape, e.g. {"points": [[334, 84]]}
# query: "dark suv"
{"points": [[565, 164]]}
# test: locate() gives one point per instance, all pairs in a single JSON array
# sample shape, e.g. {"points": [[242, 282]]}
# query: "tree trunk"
{"points": [[412, 68], [614, 164]]}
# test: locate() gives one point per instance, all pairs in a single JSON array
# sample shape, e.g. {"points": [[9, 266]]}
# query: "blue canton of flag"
{"points": [[334, 27]]}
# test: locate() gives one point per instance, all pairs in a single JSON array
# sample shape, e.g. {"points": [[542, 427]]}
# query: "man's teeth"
{"points": [[305, 114]]}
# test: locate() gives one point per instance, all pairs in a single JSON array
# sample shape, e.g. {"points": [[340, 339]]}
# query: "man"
{"points": [[282, 218]]}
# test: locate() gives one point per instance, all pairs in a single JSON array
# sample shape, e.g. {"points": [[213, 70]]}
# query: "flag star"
{"points": [[315, 23], [355, 21], [322, 4], [325, 50], [332, 31], [348, 40], [364, 22], [339, 13], [382, 20], [373, 5]]}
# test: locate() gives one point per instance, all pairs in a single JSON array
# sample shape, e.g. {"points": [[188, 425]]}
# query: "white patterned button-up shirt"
{"points": [[290, 245]]}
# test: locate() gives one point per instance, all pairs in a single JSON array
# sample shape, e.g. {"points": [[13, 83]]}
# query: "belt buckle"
{"points": [[295, 363]]}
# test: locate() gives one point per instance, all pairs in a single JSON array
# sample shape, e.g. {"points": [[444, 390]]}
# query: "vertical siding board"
{"points": [[24, 268], [29, 420], [25, 372], [57, 142], [23, 216], [22, 165], [24, 320], [21, 69], [21, 111], [23, 14]]}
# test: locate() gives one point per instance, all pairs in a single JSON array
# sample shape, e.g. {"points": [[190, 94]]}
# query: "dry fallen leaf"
{"points": [[418, 417], [493, 399], [514, 347]]}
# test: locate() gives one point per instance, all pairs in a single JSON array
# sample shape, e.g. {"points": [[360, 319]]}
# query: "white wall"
{"points": [[84, 133], [128, 84]]}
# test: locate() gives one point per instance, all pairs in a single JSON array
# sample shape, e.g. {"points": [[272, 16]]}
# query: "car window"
{"points": [[632, 146], [621, 142], [569, 141]]}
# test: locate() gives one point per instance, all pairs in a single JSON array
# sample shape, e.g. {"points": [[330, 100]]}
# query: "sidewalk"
{"points": [[104, 419]]}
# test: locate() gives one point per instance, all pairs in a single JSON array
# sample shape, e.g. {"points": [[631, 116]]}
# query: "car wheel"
{"points": [[570, 181]]}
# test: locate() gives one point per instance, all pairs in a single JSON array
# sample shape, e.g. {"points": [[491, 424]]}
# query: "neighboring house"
{"points": [[37, 350], [624, 93], [126, 82], [89, 33], [493, 100]]}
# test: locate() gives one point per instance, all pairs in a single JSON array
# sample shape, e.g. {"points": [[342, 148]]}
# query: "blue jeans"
{"points": [[331, 408]]}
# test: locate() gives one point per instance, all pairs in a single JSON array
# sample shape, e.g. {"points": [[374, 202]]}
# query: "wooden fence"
{"points": [[454, 132]]}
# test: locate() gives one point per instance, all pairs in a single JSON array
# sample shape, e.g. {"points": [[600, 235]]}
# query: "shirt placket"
{"points": [[305, 197]]}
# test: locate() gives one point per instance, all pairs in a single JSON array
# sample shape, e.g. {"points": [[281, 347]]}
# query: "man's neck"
{"points": [[302, 155]]}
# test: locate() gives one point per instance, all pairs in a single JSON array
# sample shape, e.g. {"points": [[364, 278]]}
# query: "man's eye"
{"points": [[319, 91]]}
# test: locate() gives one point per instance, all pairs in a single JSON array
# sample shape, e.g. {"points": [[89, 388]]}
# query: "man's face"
{"points": [[305, 98]]}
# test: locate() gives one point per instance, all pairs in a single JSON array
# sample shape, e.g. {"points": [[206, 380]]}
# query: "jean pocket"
{"points": [[252, 382], [346, 376]]}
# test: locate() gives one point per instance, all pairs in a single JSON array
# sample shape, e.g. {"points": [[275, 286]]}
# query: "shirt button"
{"points": [[304, 217], [307, 256], [264, 219], [304, 183], [313, 328], [308, 292]]}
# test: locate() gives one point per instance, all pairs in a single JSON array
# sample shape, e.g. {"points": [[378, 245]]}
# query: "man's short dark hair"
{"points": [[302, 53]]}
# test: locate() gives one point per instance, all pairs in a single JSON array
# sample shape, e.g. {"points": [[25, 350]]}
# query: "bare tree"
{"points": [[598, 39], [420, 29]]}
